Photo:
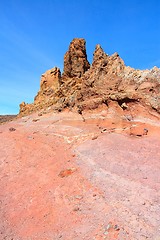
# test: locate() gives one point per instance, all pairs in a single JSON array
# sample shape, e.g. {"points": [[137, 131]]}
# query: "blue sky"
{"points": [[35, 34]]}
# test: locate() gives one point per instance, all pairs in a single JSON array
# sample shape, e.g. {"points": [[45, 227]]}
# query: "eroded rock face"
{"points": [[51, 79], [99, 57], [49, 85], [75, 59], [82, 86]]}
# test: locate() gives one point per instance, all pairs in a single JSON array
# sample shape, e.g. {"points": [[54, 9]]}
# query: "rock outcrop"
{"points": [[84, 86], [7, 118], [75, 59], [50, 79], [50, 83]]}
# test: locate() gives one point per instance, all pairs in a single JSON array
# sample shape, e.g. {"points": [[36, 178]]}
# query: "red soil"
{"points": [[66, 178]]}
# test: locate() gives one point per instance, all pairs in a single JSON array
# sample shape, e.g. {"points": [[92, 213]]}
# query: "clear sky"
{"points": [[35, 34]]}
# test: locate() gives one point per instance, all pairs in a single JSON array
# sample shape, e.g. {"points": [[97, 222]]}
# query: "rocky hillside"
{"points": [[6, 118], [83, 86], [90, 173]]}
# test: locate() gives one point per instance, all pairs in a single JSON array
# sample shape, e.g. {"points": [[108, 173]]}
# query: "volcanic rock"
{"points": [[82, 86], [75, 59], [51, 79], [99, 57], [50, 83]]}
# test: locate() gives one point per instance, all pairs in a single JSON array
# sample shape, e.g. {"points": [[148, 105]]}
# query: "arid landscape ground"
{"points": [[83, 160], [64, 176]]}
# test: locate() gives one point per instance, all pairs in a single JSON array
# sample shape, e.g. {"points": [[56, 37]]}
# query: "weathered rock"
{"points": [[50, 79], [11, 129], [82, 86], [50, 83], [138, 130], [23, 107], [7, 118], [26, 109], [99, 57], [75, 59]]}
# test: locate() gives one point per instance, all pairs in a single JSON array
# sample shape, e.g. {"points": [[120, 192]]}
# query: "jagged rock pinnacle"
{"points": [[99, 56], [82, 86], [75, 59]]}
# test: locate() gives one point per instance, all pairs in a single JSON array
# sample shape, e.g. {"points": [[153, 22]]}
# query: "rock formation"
{"points": [[75, 59], [50, 79], [84, 86], [50, 83]]}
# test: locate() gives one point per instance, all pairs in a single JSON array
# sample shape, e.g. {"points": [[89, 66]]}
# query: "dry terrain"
{"points": [[83, 161], [71, 176], [6, 118]]}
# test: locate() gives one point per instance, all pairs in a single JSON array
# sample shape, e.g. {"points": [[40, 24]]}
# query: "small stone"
{"points": [[124, 106], [104, 130], [35, 120], [145, 131], [94, 137], [67, 172], [108, 227], [11, 129], [116, 228], [145, 178], [76, 209]]}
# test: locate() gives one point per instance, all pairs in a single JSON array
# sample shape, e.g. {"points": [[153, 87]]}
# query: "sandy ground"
{"points": [[66, 178]]}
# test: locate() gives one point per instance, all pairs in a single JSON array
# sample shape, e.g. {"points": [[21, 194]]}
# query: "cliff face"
{"points": [[84, 86]]}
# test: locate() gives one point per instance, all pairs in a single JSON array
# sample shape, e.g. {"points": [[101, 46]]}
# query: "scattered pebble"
{"points": [[124, 106], [11, 129], [94, 137], [76, 209], [145, 131], [108, 227], [35, 120], [116, 227], [104, 130], [67, 172]]}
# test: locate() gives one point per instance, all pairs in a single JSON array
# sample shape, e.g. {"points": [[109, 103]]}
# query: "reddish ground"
{"points": [[63, 177]]}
